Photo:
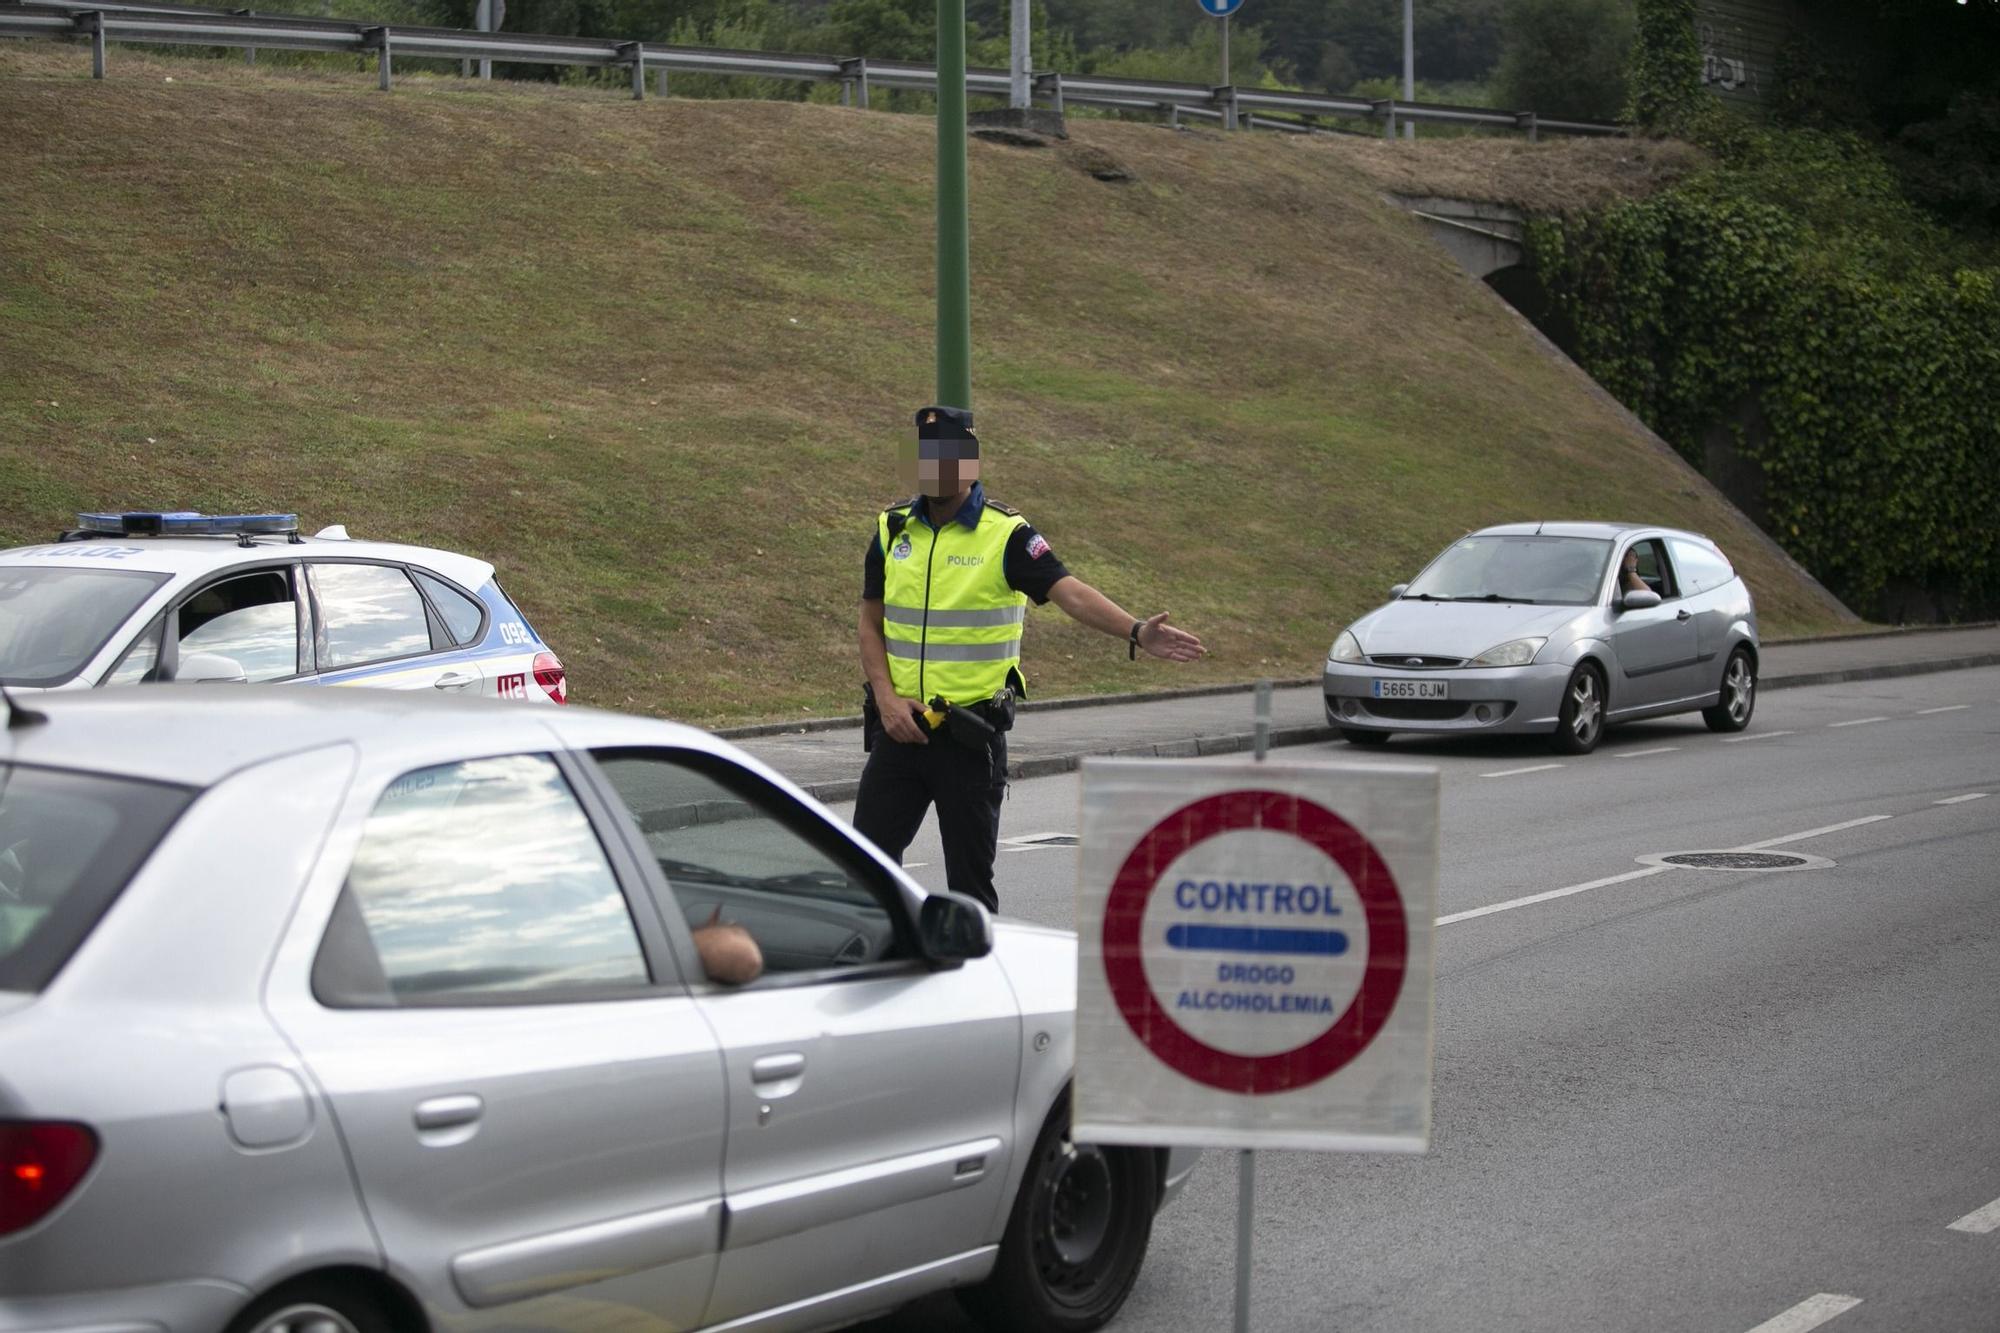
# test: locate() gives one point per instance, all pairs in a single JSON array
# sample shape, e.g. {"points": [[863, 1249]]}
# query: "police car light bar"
{"points": [[185, 524]]}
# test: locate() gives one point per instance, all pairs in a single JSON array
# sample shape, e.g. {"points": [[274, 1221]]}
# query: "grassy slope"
{"points": [[653, 359]]}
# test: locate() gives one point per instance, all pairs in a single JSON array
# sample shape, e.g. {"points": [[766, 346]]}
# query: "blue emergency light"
{"points": [[186, 524]]}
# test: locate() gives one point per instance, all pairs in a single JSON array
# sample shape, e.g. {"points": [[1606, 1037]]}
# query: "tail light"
{"points": [[40, 1163], [550, 676]]}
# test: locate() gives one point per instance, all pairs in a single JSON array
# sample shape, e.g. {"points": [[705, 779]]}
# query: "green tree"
{"points": [[1565, 57]]}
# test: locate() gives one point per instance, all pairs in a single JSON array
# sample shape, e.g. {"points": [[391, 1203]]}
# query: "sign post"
{"points": [[1222, 9], [1255, 964]]}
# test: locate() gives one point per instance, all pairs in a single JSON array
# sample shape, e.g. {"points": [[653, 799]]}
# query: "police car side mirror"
{"points": [[1397, 590], [1641, 599], [210, 668], [952, 929]]}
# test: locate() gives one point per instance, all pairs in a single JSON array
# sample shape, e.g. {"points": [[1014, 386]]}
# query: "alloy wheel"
{"points": [[306, 1317], [1589, 709], [1738, 687]]}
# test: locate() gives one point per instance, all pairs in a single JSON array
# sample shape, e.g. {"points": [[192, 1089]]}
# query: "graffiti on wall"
{"points": [[1725, 62]]}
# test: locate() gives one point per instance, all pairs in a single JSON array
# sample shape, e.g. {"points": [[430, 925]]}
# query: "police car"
{"points": [[131, 598]]}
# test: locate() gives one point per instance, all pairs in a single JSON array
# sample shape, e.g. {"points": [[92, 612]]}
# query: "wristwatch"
{"points": [[1132, 647]]}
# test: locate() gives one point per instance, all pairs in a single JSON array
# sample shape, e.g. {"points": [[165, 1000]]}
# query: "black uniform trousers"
{"points": [[902, 781]]}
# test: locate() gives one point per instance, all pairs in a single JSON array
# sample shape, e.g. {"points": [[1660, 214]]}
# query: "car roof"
{"points": [[1589, 528], [190, 556], [196, 735]]}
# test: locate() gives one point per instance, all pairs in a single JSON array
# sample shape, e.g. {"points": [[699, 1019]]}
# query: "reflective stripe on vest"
{"points": [[952, 625]]}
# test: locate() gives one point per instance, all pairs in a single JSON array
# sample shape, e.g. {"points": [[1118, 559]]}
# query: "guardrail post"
{"points": [[1173, 115], [92, 22], [1527, 120], [1385, 110], [633, 54], [249, 52], [661, 79], [377, 40], [1049, 85], [1225, 98], [854, 82]]}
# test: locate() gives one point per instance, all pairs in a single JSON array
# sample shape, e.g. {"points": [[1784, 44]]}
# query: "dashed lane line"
{"points": [[1856, 722], [1979, 1221], [1760, 736], [1812, 833], [1948, 708], [1809, 1313], [1961, 800], [1516, 772], [1641, 754]]}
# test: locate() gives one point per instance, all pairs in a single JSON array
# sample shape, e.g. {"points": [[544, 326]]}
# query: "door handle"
{"points": [[777, 1068], [451, 680], [1683, 614], [449, 1112]]}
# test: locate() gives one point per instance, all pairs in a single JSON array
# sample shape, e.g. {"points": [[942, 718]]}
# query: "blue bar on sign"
{"points": [[1256, 939]]}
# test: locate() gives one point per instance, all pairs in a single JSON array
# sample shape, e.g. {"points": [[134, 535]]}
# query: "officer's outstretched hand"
{"points": [[1162, 640], [899, 719]]}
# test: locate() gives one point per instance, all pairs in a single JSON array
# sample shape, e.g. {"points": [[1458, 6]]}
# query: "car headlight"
{"points": [[1519, 652], [1346, 648]]}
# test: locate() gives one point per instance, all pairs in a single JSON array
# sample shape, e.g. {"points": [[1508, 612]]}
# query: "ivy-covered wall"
{"points": [[1792, 275]]}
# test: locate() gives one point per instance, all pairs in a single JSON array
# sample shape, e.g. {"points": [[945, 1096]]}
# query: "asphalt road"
{"points": [[1690, 1100]]}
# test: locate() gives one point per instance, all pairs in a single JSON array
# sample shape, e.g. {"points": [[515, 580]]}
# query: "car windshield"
{"points": [[53, 621], [1564, 571], [68, 844]]}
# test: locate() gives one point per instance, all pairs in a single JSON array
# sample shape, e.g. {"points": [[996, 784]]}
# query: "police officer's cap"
{"points": [[945, 423]]}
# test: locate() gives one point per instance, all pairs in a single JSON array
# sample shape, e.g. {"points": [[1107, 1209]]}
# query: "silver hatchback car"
{"points": [[356, 1012], [1563, 628]]}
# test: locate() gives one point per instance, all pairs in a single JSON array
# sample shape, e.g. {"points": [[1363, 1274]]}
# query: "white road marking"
{"points": [[1641, 754], [1948, 708], [1513, 772], [1979, 1221], [1760, 736], [1533, 898], [917, 865], [1961, 800], [1810, 833], [1856, 722], [1809, 1313]]}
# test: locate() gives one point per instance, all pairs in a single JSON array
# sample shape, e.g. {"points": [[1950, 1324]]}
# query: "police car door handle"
{"points": [[452, 680], [777, 1068]]}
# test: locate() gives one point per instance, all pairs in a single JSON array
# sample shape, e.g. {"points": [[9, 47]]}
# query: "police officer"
{"points": [[944, 595]]}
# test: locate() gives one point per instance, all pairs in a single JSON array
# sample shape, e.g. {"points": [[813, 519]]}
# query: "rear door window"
{"points": [[252, 619], [69, 842], [462, 616], [367, 613], [1702, 568]]}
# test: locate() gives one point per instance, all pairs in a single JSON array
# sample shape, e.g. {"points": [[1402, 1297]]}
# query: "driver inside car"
{"points": [[729, 953]]}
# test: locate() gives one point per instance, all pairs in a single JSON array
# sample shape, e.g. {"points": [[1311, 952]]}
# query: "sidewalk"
{"points": [[1051, 737]]}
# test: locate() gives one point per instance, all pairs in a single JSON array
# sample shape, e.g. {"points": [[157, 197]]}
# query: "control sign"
{"points": [[1255, 954]]}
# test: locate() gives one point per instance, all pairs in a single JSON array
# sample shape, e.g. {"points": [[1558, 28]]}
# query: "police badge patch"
{"points": [[902, 548]]}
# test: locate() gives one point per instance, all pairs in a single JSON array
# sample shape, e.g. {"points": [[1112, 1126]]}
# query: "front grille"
{"points": [[1415, 661], [1417, 710]]}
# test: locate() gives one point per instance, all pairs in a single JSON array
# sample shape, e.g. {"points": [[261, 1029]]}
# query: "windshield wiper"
{"points": [[688, 870], [1424, 597], [1496, 597]]}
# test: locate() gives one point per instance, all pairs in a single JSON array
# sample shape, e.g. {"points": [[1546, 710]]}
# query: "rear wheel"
{"points": [[1356, 736], [1580, 724], [1075, 1239], [1739, 695], [315, 1305]]}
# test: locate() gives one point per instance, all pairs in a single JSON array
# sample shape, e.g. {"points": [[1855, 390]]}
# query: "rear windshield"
{"points": [[68, 844], [53, 621], [1565, 571]]}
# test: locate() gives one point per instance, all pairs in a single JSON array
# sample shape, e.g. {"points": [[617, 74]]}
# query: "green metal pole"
{"points": [[954, 275]]}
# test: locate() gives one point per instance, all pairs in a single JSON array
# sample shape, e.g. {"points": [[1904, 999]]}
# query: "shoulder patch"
{"points": [[1008, 510], [900, 505]]}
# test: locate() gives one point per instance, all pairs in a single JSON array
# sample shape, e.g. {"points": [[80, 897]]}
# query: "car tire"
{"points": [[1075, 1238], [1356, 736], [1739, 694], [316, 1305], [1580, 722]]}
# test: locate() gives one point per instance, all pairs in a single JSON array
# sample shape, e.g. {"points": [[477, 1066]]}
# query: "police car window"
{"points": [[462, 615], [368, 613], [1702, 569], [484, 880], [54, 620], [727, 842], [251, 619], [135, 665]]}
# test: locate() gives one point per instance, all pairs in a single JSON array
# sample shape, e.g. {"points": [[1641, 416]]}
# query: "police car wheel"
{"points": [[1075, 1239]]}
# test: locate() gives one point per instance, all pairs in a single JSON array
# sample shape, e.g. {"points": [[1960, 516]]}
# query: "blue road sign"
{"points": [[1220, 9]]}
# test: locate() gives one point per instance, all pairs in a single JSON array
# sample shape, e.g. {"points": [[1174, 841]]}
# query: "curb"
{"points": [[1049, 765]]}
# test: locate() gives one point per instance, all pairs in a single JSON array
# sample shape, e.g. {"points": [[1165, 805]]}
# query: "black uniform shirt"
{"points": [[1030, 566]]}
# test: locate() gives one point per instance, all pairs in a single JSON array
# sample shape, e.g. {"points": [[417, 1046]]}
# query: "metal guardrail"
{"points": [[176, 25]]}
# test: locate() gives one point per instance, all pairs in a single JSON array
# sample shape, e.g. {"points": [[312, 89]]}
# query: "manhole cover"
{"points": [[1734, 860], [1764, 861]]}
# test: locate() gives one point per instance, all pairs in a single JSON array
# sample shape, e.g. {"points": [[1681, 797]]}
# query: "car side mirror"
{"points": [[1398, 589], [952, 929], [1639, 599], [210, 668]]}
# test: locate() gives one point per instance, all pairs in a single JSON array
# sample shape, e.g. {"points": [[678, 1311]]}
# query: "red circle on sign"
{"points": [[1271, 812]]}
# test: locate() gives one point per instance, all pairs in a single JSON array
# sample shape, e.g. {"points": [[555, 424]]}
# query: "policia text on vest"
{"points": [[945, 589]]}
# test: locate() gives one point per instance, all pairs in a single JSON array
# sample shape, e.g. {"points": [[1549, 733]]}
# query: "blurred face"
{"points": [[938, 468]]}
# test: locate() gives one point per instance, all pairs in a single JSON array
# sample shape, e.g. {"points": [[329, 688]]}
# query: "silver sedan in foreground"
{"points": [[359, 1012], [1560, 628]]}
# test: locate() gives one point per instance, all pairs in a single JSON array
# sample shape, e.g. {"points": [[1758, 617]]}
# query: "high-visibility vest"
{"points": [[952, 623]]}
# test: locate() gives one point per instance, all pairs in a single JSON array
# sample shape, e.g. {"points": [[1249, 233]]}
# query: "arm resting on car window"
{"points": [[729, 954]]}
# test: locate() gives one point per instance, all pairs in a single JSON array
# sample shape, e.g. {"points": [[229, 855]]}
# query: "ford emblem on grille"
{"points": [[1416, 661]]}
